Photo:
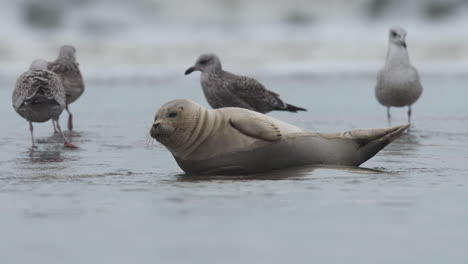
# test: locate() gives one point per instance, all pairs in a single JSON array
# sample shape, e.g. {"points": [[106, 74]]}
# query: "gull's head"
{"points": [[38, 65], [67, 51], [397, 36], [205, 63]]}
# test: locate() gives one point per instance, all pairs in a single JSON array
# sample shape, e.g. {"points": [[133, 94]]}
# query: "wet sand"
{"points": [[118, 199]]}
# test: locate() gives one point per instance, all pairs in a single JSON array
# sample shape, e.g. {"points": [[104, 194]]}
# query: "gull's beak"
{"points": [[403, 43], [190, 70]]}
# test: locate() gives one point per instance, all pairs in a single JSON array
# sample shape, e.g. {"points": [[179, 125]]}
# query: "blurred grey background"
{"points": [[161, 38]]}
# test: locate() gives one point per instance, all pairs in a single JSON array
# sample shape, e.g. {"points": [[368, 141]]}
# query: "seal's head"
{"points": [[397, 36], [174, 123], [208, 62], [67, 51]]}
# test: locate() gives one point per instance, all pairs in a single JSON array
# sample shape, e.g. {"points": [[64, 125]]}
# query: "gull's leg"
{"points": [[409, 114], [70, 119], [66, 142], [55, 126], [389, 116], [32, 136]]}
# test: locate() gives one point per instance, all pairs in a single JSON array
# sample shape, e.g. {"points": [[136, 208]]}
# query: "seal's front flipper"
{"points": [[251, 125]]}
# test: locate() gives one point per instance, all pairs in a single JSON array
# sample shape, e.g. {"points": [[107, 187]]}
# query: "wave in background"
{"points": [[162, 38]]}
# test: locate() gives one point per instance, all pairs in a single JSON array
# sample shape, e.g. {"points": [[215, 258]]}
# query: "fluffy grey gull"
{"points": [[225, 89], [398, 82], [39, 96], [68, 70]]}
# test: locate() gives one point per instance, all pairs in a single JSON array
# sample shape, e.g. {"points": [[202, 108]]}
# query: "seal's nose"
{"points": [[154, 129]]}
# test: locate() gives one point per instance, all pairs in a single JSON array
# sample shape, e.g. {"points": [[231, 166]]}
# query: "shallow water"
{"points": [[117, 199]]}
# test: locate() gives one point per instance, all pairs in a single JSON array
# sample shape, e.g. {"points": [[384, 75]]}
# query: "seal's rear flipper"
{"points": [[372, 141], [252, 126], [364, 136]]}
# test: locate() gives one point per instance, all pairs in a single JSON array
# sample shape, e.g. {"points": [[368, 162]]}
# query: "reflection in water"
{"points": [[406, 145], [74, 134], [51, 149], [42, 162], [411, 139], [45, 156], [57, 138], [296, 173], [271, 175]]}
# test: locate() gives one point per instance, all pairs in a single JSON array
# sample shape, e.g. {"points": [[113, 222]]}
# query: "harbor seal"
{"points": [[234, 140]]}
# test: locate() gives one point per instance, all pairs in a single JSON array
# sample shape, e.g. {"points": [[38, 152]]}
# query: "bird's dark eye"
{"points": [[172, 114], [394, 34], [204, 61]]}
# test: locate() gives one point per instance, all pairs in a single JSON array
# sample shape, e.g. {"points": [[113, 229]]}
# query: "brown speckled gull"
{"points": [[68, 70], [225, 89], [39, 96]]}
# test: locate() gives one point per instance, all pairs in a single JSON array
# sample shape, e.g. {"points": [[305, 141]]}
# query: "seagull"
{"points": [[225, 89], [398, 82], [39, 96], [68, 70]]}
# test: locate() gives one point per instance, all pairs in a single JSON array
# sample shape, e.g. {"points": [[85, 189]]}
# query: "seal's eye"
{"points": [[172, 114]]}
